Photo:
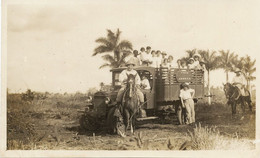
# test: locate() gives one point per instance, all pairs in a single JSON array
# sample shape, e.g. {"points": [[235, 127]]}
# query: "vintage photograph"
{"points": [[130, 75]]}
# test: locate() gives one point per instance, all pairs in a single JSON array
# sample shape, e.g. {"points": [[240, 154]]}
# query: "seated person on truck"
{"points": [[145, 83], [197, 59], [178, 63], [191, 64], [146, 56], [171, 62], [136, 58], [123, 79], [154, 59], [183, 65]]}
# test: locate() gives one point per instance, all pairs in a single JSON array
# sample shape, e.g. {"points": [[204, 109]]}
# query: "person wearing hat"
{"points": [[179, 63], [136, 58], [240, 82], [123, 79], [191, 64], [164, 54], [186, 96], [197, 58]]}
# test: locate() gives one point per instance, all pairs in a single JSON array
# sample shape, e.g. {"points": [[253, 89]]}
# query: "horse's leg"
{"points": [[249, 102], [233, 106], [127, 116], [132, 123], [242, 101], [131, 127]]}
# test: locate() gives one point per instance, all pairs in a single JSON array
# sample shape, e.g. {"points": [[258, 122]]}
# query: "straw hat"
{"points": [[185, 84], [196, 54], [130, 62], [191, 59], [164, 53], [237, 70]]}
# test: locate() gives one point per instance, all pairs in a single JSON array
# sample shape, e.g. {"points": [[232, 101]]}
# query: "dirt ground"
{"points": [[57, 127]]}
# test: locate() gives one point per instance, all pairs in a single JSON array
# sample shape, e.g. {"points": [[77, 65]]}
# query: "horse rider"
{"points": [[240, 82], [123, 79]]}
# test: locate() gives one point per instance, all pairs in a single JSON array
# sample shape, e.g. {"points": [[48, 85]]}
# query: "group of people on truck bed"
{"points": [[149, 57]]}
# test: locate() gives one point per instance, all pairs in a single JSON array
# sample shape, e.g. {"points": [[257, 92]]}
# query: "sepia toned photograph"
{"points": [[177, 76]]}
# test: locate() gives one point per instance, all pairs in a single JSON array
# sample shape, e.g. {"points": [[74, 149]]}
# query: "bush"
{"points": [[205, 138], [20, 128]]}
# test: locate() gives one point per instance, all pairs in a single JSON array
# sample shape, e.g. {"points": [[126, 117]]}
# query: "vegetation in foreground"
{"points": [[51, 121]]}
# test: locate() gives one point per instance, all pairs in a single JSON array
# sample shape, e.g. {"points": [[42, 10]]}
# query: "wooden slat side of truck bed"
{"points": [[168, 82]]}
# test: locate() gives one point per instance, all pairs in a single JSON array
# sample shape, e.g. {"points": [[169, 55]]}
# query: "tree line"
{"points": [[114, 51]]}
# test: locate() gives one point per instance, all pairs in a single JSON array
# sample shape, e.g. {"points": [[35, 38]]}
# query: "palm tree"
{"points": [[112, 44], [190, 54], [248, 69], [211, 63], [226, 59]]}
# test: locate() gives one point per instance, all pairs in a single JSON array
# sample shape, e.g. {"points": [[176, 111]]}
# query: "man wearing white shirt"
{"points": [[186, 96], [240, 82], [123, 79]]}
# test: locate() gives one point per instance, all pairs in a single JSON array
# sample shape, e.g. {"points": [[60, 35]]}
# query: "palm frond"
{"points": [[125, 45], [102, 40], [111, 37], [210, 58], [122, 59], [108, 58], [101, 49], [191, 52], [105, 65]]}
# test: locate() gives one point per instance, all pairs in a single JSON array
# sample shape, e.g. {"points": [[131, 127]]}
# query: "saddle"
{"points": [[243, 91]]}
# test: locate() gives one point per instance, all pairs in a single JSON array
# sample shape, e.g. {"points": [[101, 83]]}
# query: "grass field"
{"points": [[53, 123]]}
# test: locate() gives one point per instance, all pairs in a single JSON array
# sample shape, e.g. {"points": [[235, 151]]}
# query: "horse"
{"points": [[130, 104], [234, 97], [121, 117]]}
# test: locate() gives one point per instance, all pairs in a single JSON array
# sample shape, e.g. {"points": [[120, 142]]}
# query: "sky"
{"points": [[50, 45]]}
